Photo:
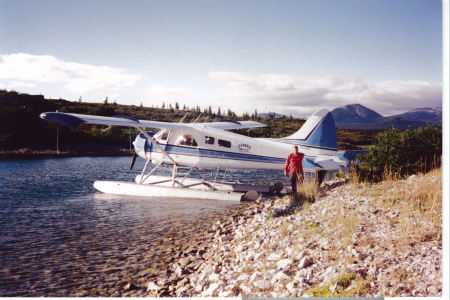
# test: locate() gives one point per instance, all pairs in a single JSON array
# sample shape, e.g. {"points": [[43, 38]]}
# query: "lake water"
{"points": [[58, 237]]}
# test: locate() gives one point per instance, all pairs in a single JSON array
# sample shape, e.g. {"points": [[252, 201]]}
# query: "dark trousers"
{"points": [[296, 179], [320, 176]]}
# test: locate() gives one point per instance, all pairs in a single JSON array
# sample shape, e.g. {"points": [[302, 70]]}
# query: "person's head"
{"points": [[295, 149]]}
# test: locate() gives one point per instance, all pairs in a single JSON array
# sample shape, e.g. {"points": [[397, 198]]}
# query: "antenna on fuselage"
{"points": [[197, 118], [183, 117]]}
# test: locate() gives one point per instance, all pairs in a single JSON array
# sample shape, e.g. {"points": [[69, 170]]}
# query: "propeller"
{"points": [[133, 160]]}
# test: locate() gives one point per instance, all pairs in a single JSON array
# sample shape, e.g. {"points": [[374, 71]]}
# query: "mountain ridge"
{"points": [[357, 116]]}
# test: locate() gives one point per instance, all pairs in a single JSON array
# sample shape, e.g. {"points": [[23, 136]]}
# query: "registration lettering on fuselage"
{"points": [[244, 147]]}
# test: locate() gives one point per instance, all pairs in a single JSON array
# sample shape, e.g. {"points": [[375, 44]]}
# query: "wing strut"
{"points": [[157, 145]]}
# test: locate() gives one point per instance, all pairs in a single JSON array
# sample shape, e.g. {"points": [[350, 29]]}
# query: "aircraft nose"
{"points": [[141, 145]]}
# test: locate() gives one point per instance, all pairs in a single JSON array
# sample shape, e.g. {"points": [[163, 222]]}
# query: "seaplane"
{"points": [[210, 145]]}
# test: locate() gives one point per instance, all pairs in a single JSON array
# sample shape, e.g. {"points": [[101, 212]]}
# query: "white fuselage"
{"points": [[205, 147]]}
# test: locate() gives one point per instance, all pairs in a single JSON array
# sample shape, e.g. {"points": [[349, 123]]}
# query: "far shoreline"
{"points": [[92, 151]]}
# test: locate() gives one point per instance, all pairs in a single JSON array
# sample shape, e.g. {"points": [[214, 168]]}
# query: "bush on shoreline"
{"points": [[397, 153]]}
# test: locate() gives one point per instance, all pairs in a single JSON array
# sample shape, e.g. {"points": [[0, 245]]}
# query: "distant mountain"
{"points": [[426, 114], [355, 113], [357, 116]]}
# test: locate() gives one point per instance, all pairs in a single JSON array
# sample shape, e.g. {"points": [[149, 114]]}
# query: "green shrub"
{"points": [[398, 153]]}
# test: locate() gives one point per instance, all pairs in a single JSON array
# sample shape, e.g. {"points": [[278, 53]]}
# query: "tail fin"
{"points": [[318, 131]]}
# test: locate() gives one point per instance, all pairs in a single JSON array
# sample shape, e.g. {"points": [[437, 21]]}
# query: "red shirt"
{"points": [[294, 163]]}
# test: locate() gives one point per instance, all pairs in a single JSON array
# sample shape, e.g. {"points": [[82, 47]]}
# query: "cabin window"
{"points": [[209, 140], [223, 143], [186, 140], [163, 135]]}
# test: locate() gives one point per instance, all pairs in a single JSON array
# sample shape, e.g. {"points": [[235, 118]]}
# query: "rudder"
{"points": [[319, 131]]}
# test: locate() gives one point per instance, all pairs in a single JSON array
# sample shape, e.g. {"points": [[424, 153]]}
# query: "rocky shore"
{"points": [[353, 240]]}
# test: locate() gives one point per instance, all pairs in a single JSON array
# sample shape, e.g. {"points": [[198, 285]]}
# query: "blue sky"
{"points": [[284, 56]]}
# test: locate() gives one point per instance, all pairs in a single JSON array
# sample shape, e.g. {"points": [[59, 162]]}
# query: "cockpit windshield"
{"points": [[186, 140]]}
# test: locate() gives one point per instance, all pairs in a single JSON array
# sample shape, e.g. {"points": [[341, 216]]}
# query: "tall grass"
{"points": [[306, 192]]}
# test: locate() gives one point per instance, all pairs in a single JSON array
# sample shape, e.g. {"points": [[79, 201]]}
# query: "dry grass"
{"points": [[418, 202]]}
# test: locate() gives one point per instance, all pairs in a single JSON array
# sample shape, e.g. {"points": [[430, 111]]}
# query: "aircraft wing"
{"points": [[73, 120], [229, 124]]}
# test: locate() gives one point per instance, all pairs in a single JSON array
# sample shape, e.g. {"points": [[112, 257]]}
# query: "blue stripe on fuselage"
{"points": [[173, 149], [308, 162]]}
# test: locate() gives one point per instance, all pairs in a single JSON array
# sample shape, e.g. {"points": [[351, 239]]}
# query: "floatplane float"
{"points": [[196, 146]]}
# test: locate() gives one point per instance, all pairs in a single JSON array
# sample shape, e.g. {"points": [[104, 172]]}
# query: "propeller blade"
{"points": [[133, 160]]}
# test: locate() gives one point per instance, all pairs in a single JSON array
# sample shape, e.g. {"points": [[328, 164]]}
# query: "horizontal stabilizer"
{"points": [[326, 163]]}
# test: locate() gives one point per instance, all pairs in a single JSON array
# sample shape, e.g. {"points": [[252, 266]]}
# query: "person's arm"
{"points": [[286, 165]]}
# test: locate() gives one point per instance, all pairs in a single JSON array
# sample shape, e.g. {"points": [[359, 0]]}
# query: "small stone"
{"points": [[291, 288], [130, 286], [184, 261], [178, 270], [433, 291], [198, 288], [335, 286], [250, 256], [243, 277], [305, 262], [247, 290], [399, 289], [225, 238], [211, 289], [362, 256], [225, 294], [213, 277], [273, 257], [303, 254], [280, 276], [328, 275], [261, 284], [153, 287], [282, 264], [259, 256]]}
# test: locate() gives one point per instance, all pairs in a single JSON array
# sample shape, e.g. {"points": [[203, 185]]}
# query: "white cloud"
{"points": [[299, 95], [74, 77], [21, 84], [157, 94]]}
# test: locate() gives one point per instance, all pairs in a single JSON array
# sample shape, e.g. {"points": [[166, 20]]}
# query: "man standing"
{"points": [[294, 168]]}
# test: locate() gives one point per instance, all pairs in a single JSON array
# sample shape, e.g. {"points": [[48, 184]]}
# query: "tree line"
{"points": [[20, 125]]}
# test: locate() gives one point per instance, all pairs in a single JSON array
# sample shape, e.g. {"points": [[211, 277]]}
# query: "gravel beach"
{"points": [[354, 240]]}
